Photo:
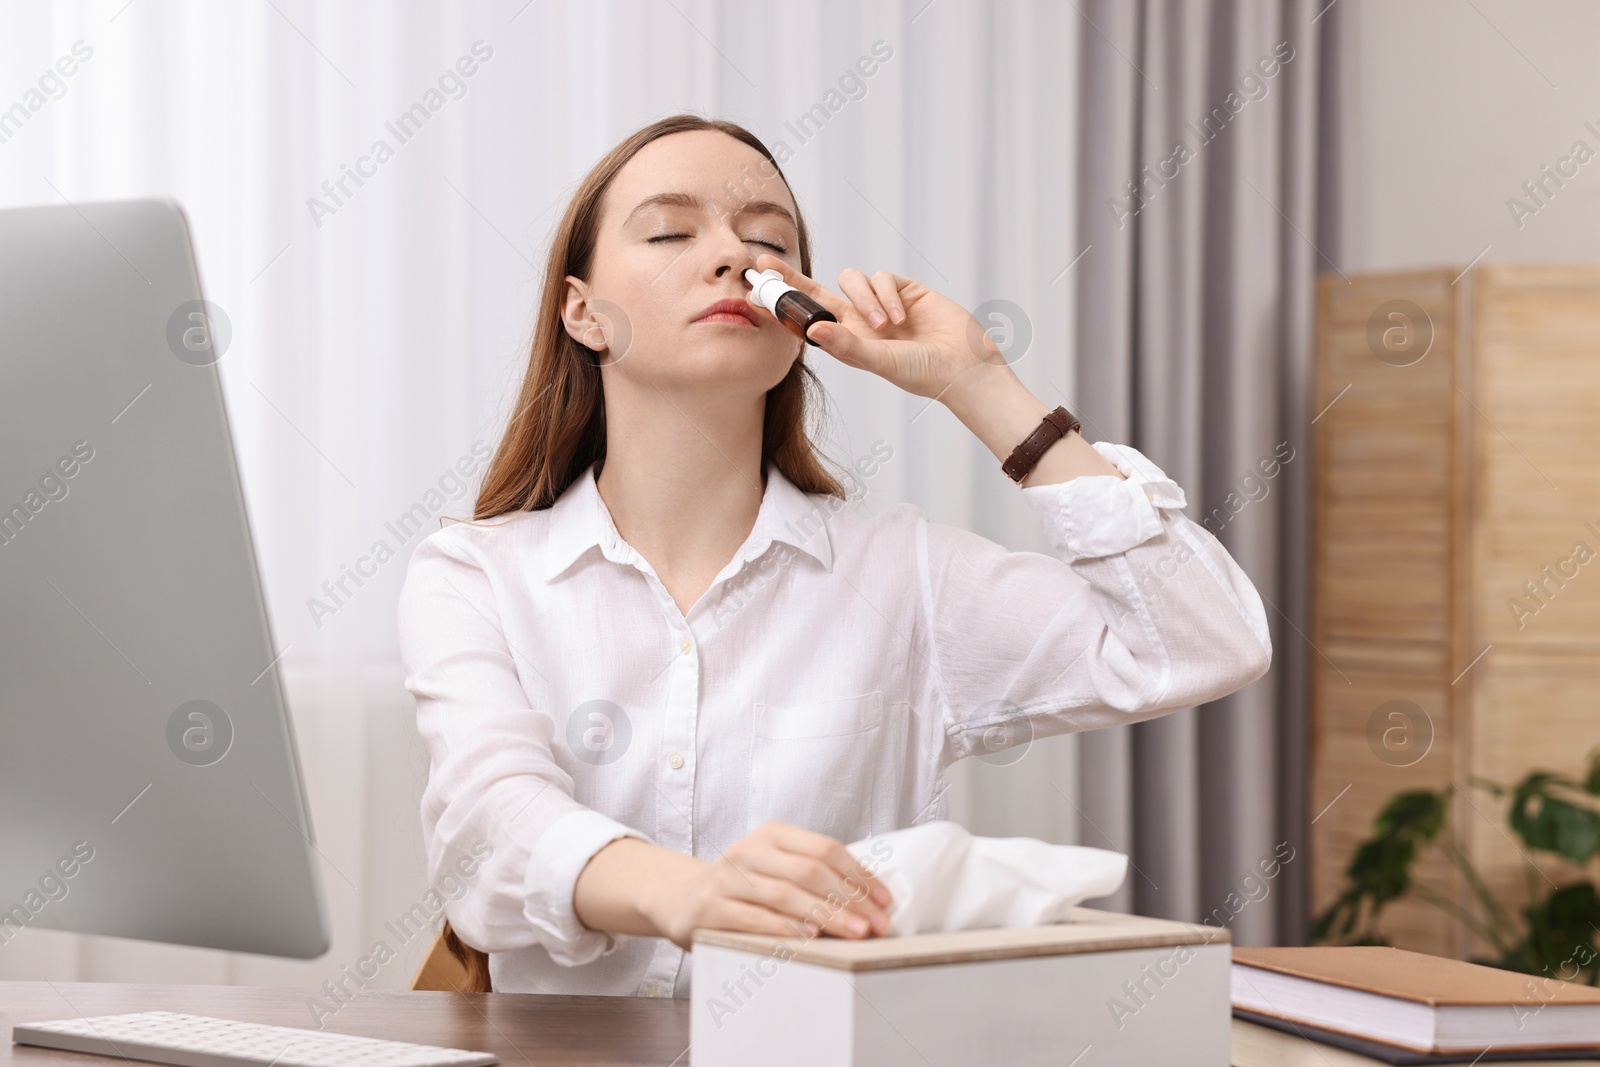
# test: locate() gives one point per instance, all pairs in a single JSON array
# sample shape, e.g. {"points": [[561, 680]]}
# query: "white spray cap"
{"points": [[766, 286]]}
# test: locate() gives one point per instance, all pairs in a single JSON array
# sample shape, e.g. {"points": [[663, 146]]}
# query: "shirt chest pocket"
{"points": [[821, 765]]}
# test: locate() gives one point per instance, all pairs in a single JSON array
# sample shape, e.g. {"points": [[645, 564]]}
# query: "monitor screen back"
{"points": [[149, 785]]}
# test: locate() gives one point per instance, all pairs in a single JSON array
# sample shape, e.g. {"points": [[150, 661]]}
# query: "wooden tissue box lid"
{"points": [[1087, 931]]}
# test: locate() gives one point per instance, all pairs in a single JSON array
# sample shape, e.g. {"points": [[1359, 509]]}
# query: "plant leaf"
{"points": [[1561, 931], [1546, 821], [1380, 868], [1591, 781]]}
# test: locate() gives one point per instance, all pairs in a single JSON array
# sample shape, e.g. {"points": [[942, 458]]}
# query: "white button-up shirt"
{"points": [[833, 670]]}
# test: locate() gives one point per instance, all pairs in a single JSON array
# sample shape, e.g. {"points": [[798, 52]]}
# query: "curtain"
{"points": [[381, 325], [1198, 350]]}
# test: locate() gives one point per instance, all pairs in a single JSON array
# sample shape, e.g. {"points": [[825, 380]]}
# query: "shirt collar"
{"points": [[579, 521]]}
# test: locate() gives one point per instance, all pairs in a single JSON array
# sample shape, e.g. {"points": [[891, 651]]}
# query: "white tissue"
{"points": [[943, 878]]}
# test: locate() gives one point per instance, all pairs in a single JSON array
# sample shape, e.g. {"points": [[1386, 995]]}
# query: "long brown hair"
{"points": [[559, 426]]}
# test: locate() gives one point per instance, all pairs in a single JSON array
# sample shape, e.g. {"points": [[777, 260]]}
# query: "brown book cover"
{"points": [[1434, 980]]}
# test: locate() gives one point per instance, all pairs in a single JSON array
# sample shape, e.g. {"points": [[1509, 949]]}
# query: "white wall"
{"points": [[1452, 106]]}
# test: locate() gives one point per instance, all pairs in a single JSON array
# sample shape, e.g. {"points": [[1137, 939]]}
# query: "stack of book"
{"points": [[1353, 1006]]}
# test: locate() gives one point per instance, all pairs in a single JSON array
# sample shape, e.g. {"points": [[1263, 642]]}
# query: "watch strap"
{"points": [[1055, 425]]}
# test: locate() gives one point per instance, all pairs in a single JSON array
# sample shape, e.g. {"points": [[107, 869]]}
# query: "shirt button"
{"points": [[652, 991], [685, 645], [675, 761]]}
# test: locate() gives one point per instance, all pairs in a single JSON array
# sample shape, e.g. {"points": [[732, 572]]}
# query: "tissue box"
{"points": [[1136, 991]]}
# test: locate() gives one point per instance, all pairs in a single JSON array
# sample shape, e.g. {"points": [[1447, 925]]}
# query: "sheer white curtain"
{"points": [[381, 320]]}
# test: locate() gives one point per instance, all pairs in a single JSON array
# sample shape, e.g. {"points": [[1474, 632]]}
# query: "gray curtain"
{"points": [[1195, 342]]}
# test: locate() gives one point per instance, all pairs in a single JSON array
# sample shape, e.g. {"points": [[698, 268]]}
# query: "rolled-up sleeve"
{"points": [[1140, 612], [493, 786]]}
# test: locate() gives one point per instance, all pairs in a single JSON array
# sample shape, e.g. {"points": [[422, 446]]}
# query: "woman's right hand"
{"points": [[782, 880]]}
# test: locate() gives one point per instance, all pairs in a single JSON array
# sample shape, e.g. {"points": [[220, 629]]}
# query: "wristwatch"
{"points": [[1054, 426]]}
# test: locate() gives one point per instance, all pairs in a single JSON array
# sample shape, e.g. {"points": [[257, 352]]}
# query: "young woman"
{"points": [[667, 673]]}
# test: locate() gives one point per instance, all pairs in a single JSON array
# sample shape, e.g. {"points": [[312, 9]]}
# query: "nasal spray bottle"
{"points": [[794, 309]]}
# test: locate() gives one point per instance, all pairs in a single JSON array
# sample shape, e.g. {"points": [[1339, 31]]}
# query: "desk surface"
{"points": [[520, 1028]]}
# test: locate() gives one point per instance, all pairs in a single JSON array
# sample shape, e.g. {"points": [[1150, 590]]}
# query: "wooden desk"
{"points": [[520, 1028]]}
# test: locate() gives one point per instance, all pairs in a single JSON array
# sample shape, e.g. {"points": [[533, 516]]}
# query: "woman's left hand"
{"points": [[924, 342]]}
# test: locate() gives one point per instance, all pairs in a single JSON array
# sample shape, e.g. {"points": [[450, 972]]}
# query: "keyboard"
{"points": [[201, 1041]]}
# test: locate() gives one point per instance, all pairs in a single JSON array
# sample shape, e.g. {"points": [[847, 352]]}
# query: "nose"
{"points": [[732, 256], [734, 265]]}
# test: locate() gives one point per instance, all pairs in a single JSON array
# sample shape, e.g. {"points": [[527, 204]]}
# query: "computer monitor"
{"points": [[149, 784]]}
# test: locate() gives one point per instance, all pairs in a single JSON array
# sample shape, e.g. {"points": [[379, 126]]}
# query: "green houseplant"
{"points": [[1553, 935]]}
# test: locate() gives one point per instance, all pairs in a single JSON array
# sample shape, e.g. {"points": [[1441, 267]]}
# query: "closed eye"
{"points": [[778, 248]]}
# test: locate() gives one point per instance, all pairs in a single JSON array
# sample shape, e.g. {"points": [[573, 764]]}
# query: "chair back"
{"points": [[441, 970]]}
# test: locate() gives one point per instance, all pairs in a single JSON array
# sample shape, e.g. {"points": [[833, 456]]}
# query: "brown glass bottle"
{"points": [[790, 306]]}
